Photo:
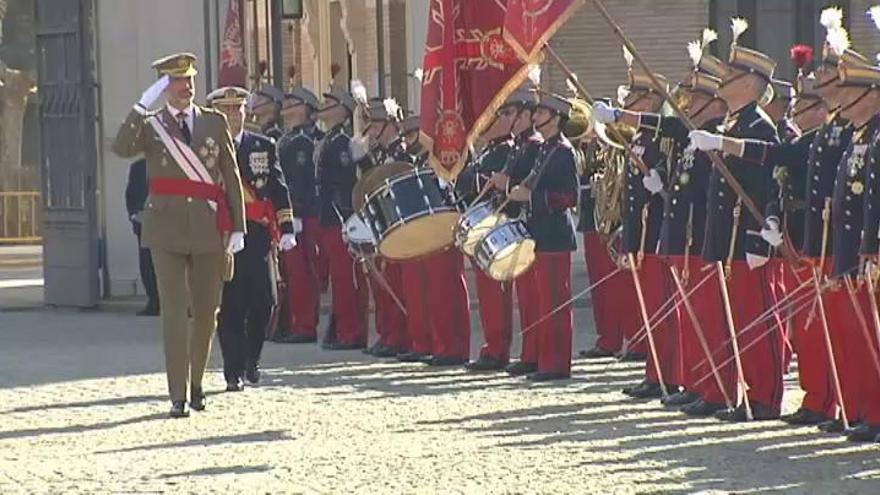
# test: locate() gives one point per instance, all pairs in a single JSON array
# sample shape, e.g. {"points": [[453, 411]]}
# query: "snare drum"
{"points": [[411, 216], [474, 224], [506, 251], [359, 237]]}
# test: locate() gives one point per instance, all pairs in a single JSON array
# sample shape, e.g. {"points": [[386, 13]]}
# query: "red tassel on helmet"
{"points": [[802, 56]]}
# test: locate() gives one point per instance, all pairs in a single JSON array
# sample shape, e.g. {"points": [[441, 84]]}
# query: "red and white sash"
{"points": [[187, 159]]}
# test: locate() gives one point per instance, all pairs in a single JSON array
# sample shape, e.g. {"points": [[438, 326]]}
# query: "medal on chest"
{"points": [[258, 162]]}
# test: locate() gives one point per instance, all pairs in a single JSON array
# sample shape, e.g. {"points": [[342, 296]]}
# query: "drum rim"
{"points": [[394, 179], [409, 219]]}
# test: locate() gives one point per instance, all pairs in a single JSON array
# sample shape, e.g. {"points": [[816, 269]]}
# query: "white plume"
{"points": [[709, 35], [874, 14], [739, 26], [695, 52], [359, 92], [535, 74], [392, 108], [838, 40], [419, 73], [571, 83], [628, 57], [622, 93], [831, 18]]}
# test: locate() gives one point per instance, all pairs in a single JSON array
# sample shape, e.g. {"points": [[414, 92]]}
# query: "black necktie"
{"points": [[184, 128]]}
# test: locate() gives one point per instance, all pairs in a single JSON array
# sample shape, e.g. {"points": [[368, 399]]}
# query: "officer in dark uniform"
{"points": [[248, 298], [551, 190], [335, 176], [302, 265], [496, 298], [135, 197], [684, 214], [735, 242]]}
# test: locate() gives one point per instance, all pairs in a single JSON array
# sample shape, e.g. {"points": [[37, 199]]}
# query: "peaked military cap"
{"points": [[862, 76], [342, 97], [782, 89], [522, 97], [302, 96], [410, 124], [176, 65], [556, 103], [228, 95]]}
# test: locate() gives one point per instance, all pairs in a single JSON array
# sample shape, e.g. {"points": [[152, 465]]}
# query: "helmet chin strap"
{"points": [[855, 102]]}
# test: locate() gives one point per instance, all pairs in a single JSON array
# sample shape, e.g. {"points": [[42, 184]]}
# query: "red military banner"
{"points": [[529, 24], [233, 67], [469, 70]]}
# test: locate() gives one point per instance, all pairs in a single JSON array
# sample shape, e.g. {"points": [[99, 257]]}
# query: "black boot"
{"points": [[547, 376], [595, 353], [414, 357], [520, 368], [486, 364], [679, 399], [804, 417], [702, 409], [759, 413], [197, 400], [253, 373], [863, 433], [178, 409]]}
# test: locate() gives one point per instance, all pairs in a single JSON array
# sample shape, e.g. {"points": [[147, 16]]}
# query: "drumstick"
{"points": [[378, 277]]}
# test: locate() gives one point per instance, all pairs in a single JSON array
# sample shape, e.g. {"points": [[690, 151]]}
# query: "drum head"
{"points": [[420, 237], [475, 234], [512, 261], [374, 178]]}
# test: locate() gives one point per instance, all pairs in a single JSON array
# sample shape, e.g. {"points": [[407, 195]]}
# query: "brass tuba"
{"points": [[580, 121]]}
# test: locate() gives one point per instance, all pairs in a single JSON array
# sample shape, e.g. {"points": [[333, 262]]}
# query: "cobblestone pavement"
{"points": [[83, 411]]}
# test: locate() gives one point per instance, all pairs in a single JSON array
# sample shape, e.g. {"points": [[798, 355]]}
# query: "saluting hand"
{"points": [[154, 91]]}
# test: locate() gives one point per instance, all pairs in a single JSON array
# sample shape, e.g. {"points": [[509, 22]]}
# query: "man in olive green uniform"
{"points": [[193, 220]]}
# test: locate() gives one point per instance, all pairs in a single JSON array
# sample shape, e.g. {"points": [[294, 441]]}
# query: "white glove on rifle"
{"points": [[653, 182], [771, 233], [288, 242], [706, 141], [297, 225], [235, 243], [152, 94], [604, 113]]}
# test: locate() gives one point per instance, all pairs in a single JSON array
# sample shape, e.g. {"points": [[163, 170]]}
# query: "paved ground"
{"points": [[83, 410]]}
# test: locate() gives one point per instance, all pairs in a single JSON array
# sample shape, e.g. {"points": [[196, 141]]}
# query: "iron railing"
{"points": [[20, 217]]}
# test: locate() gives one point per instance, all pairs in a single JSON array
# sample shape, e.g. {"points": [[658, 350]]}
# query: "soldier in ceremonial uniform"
{"points": [[550, 191], [642, 219], [410, 132], [335, 176], [302, 264], [526, 150], [496, 298], [737, 244], [249, 297], [194, 218], [684, 215], [264, 107]]}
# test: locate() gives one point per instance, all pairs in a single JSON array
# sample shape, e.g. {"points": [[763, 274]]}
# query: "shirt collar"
{"points": [[189, 111], [239, 137]]}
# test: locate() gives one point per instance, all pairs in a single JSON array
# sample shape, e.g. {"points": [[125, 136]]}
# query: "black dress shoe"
{"points": [[702, 409], [832, 426], [178, 409], [863, 433], [486, 364], [149, 311], [447, 361], [414, 357], [252, 374], [738, 415], [386, 352], [234, 385], [647, 390], [803, 417], [595, 353], [342, 346], [197, 400], [294, 338], [520, 368], [546, 376], [679, 399]]}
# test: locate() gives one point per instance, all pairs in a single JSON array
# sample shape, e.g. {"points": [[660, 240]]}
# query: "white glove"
{"points": [[297, 225], [706, 141], [771, 233], [653, 182], [288, 242], [444, 184], [756, 261], [604, 113], [359, 147], [236, 242], [154, 92]]}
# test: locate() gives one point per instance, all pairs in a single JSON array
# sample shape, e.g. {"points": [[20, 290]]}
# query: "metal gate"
{"points": [[68, 151]]}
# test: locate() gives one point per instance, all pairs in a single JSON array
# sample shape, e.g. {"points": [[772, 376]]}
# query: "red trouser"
{"points": [[349, 290], [390, 320], [870, 381], [657, 290], [783, 280], [529, 312], [450, 315], [690, 351], [849, 342], [709, 306], [761, 346], [301, 273], [496, 315], [417, 301], [604, 297], [553, 277]]}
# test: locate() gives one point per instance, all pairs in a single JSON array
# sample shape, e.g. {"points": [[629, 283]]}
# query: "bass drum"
{"points": [[374, 178], [506, 252], [411, 215]]}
